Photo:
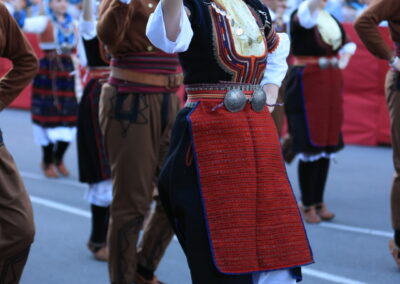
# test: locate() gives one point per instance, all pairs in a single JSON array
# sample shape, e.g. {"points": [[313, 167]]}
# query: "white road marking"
{"points": [[329, 277], [356, 230], [327, 225], [86, 214], [59, 181], [60, 207]]}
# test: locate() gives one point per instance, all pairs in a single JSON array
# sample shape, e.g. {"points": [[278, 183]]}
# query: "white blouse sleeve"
{"points": [[306, 19], [87, 29], [349, 47], [35, 25], [276, 62], [157, 34]]}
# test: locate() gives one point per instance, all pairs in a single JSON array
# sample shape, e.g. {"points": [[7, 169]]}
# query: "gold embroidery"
{"points": [[246, 33]]}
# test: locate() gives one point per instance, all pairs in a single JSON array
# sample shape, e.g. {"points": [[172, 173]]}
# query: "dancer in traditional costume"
{"points": [[367, 28], [93, 165], [16, 219], [137, 108], [314, 100], [224, 183], [54, 105]]}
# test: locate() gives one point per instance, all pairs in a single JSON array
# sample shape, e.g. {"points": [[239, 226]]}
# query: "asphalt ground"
{"points": [[351, 249]]}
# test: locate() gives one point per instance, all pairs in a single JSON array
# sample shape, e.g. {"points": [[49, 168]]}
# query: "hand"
{"points": [[344, 60], [396, 64], [271, 91], [18, 4]]}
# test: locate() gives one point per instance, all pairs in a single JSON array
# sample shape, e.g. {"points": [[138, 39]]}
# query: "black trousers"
{"points": [[182, 202]]}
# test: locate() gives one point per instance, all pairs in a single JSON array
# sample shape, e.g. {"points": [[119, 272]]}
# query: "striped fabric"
{"points": [[146, 62], [53, 97]]}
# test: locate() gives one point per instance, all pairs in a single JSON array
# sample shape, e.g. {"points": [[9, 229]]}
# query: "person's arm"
{"points": [[35, 25], [172, 15], [158, 28], [307, 13], [19, 51], [346, 52], [367, 28], [276, 69], [87, 22], [114, 18]]}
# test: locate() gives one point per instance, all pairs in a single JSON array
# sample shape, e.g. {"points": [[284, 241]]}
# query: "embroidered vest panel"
{"points": [[213, 45]]}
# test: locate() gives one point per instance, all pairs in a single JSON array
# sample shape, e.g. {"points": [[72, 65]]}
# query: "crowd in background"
{"points": [[343, 10]]}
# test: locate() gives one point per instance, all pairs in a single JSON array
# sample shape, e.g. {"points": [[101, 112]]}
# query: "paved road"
{"points": [[352, 249]]}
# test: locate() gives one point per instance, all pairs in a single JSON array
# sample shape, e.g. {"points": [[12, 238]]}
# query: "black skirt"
{"points": [[93, 165]]}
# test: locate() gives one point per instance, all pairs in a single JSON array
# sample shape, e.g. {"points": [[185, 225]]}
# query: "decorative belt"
{"points": [[52, 53], [234, 96], [322, 62], [97, 72], [171, 81]]}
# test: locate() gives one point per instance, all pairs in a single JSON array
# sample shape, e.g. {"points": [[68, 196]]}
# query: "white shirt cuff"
{"points": [[157, 34], [349, 47], [276, 63]]}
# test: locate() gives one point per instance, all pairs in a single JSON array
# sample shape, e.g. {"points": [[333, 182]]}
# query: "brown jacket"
{"points": [[15, 47], [122, 27], [367, 26]]}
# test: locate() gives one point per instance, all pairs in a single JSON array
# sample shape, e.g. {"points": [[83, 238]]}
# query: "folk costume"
{"points": [[314, 101], [366, 27], [137, 108], [94, 168], [16, 219], [54, 105], [224, 184]]}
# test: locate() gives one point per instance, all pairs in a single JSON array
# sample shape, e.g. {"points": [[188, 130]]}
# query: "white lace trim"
{"points": [[314, 157]]}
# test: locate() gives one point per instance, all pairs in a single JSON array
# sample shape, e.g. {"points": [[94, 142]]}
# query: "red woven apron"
{"points": [[251, 213], [322, 91]]}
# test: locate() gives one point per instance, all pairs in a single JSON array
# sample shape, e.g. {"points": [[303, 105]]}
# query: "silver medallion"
{"points": [[235, 100], [323, 62], [258, 100], [334, 62]]}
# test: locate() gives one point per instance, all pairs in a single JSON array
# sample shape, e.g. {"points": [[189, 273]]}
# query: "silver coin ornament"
{"points": [[235, 100], [334, 62], [323, 62], [258, 100]]}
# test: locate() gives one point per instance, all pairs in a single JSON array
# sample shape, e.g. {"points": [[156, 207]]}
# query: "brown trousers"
{"points": [[16, 220], [136, 129], [392, 91]]}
